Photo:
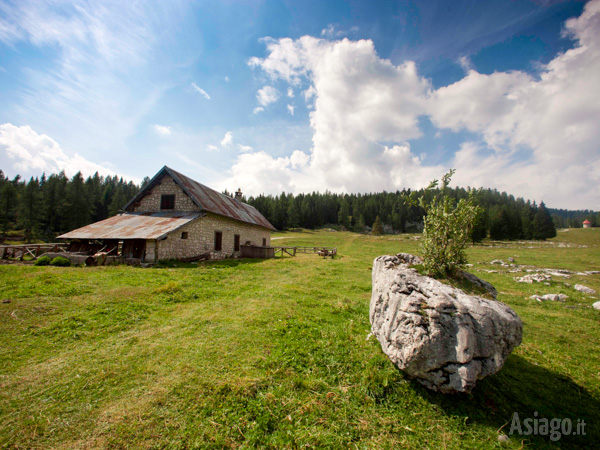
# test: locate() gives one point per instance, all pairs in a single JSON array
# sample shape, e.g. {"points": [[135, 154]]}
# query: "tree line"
{"points": [[48, 206], [503, 217], [45, 207]]}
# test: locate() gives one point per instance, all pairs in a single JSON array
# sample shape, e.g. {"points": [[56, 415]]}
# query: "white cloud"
{"points": [[227, 139], [30, 153], [245, 148], [290, 92], [162, 130], [290, 109], [330, 32], [259, 172], [465, 63], [267, 95], [212, 148], [200, 91], [360, 100], [99, 76], [554, 117], [534, 136], [258, 109]]}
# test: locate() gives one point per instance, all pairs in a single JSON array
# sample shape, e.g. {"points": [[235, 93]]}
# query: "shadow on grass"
{"points": [[532, 392]]}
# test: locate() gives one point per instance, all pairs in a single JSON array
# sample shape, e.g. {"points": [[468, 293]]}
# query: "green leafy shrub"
{"points": [[60, 261], [43, 261], [447, 226]]}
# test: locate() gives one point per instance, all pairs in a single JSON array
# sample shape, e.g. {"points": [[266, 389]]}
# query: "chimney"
{"points": [[238, 195]]}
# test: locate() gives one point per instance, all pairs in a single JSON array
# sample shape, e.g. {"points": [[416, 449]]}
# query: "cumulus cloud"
{"points": [[227, 139], [30, 153], [200, 91], [360, 101], [290, 109], [245, 148], [534, 136], [162, 130], [290, 92], [267, 95], [554, 118]]}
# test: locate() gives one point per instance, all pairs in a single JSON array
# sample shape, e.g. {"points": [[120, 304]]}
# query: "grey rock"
{"points": [[498, 261], [584, 289], [596, 305], [536, 277], [481, 283], [550, 297], [439, 335], [511, 259]]}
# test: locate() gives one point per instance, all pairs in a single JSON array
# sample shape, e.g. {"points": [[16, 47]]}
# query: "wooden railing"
{"points": [[21, 250], [321, 251]]}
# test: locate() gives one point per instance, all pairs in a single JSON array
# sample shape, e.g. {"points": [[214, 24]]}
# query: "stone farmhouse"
{"points": [[174, 216]]}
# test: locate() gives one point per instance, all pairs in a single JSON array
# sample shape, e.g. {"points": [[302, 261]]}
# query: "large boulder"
{"points": [[435, 333]]}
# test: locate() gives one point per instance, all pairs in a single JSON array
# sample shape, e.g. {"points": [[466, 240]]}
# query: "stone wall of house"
{"points": [[201, 238], [151, 202]]}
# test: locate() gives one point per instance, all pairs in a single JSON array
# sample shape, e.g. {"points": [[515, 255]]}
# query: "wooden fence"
{"points": [[22, 250], [321, 251]]}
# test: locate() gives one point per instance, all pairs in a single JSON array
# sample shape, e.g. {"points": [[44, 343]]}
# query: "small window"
{"points": [[236, 243], [184, 235], [264, 242], [218, 240], [167, 201]]}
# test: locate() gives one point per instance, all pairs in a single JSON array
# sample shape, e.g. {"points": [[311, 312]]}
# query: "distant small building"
{"points": [[587, 224], [174, 216]]}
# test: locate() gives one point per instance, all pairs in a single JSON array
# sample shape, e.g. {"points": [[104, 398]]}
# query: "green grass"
{"points": [[275, 354]]}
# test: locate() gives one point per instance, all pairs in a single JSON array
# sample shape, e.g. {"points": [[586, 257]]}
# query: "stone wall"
{"points": [[151, 202], [201, 238]]}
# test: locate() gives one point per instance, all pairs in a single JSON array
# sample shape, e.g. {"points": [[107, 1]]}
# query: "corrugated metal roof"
{"points": [[210, 200], [134, 226]]}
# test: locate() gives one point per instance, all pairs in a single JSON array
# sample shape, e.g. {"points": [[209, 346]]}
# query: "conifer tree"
{"points": [[543, 227], [377, 227]]}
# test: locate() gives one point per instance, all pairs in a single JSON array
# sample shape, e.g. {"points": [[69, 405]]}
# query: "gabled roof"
{"points": [[134, 226], [207, 199]]}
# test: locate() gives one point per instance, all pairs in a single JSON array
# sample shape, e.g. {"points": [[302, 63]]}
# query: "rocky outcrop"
{"points": [[435, 333]]}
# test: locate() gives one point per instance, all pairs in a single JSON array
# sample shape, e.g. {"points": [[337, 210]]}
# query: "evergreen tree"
{"points": [[377, 227], [344, 214], [8, 205], [29, 209], [543, 227]]}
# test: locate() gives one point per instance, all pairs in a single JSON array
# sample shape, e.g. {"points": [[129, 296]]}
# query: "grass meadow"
{"points": [[275, 353]]}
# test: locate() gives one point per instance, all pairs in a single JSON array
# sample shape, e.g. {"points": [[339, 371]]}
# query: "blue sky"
{"points": [[301, 96]]}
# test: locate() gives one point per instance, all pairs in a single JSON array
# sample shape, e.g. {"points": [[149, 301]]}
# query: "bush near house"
{"points": [[60, 261], [42, 261]]}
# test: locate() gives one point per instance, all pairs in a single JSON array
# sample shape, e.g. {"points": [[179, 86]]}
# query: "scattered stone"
{"points": [[530, 279], [503, 438], [6, 300], [550, 297], [499, 262], [584, 289], [435, 333], [596, 305], [511, 259]]}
